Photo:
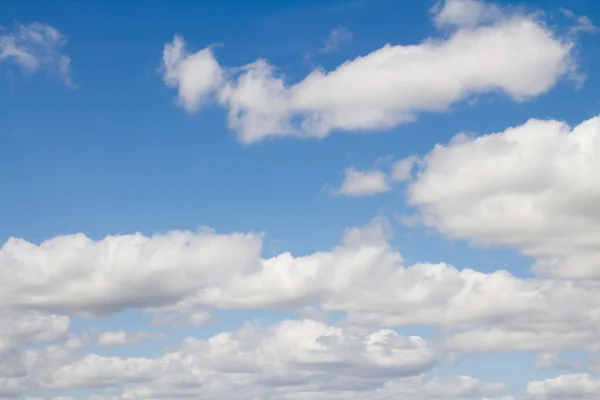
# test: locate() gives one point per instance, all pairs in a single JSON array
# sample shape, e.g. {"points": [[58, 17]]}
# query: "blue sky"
{"points": [[122, 142]]}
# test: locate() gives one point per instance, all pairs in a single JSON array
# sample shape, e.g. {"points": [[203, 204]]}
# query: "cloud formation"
{"points": [[363, 277], [531, 187], [489, 49], [290, 359], [336, 38], [122, 338], [37, 47], [363, 183]]}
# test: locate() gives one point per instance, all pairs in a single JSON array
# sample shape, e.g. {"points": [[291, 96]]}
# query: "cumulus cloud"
{"points": [[364, 277], [532, 187], [465, 13], [574, 386], [363, 183], [293, 359], [20, 328], [122, 338], [75, 275], [196, 76], [37, 47], [488, 50], [19, 331]]}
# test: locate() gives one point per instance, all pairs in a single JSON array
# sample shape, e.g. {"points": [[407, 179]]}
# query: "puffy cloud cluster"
{"points": [[533, 187], [363, 276], [76, 275], [364, 183], [37, 46], [489, 49], [291, 359], [575, 386], [190, 273], [17, 330]]}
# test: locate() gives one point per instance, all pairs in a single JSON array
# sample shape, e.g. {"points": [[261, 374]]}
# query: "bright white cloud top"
{"points": [[489, 49], [533, 187], [360, 319]]}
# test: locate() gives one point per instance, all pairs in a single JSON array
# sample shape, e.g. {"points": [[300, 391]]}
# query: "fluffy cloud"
{"points": [[196, 76], [363, 276], [122, 338], [575, 386], [35, 47], [20, 328], [17, 331], [489, 50], [465, 13], [289, 360], [190, 273], [532, 187], [76, 275], [364, 183]]}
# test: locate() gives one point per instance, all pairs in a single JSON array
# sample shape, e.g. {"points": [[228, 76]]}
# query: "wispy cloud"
{"points": [[37, 47], [336, 38]]}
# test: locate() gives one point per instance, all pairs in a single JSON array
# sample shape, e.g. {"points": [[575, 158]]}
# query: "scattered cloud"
{"points": [[192, 273], [363, 276], [363, 183], [531, 187], [274, 362], [336, 39], [37, 47]]}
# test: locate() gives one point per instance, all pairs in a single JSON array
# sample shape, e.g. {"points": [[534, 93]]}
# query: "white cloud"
{"points": [[554, 360], [76, 275], [37, 46], [336, 38], [93, 371], [402, 169], [187, 274], [196, 76], [20, 328], [489, 50], [289, 360], [122, 338], [364, 183], [465, 13], [532, 187], [574, 386], [363, 276]]}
